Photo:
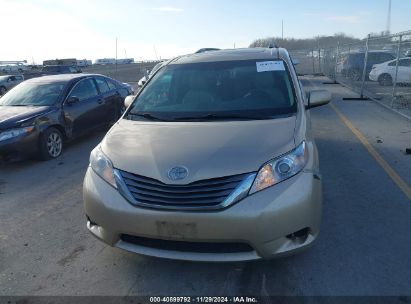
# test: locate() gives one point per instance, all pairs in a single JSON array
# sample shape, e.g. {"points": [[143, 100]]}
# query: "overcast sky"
{"points": [[47, 29]]}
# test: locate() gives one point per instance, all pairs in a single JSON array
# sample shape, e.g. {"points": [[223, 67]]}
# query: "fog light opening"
{"points": [[91, 222], [300, 235]]}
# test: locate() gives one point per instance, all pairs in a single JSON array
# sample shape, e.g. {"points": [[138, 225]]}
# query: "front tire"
{"points": [[3, 91], [385, 80], [51, 144], [354, 75]]}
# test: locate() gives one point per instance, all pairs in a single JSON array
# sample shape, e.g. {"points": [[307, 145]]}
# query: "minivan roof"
{"points": [[234, 54]]}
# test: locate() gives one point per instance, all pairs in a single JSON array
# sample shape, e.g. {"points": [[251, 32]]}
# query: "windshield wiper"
{"points": [[146, 116], [19, 105]]}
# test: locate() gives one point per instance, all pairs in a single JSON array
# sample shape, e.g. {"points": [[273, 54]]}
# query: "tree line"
{"points": [[314, 43]]}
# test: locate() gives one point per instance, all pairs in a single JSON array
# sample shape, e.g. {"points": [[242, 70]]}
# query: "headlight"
{"points": [[15, 132], [281, 168], [103, 166]]}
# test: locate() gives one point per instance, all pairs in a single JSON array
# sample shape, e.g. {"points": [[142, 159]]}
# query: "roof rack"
{"points": [[272, 46]]}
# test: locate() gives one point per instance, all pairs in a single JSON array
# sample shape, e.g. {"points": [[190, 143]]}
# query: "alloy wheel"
{"points": [[54, 144]]}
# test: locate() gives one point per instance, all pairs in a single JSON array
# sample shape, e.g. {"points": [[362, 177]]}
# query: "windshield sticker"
{"points": [[266, 66]]}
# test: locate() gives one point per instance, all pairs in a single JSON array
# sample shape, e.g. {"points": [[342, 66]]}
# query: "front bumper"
{"points": [[265, 221], [373, 76], [20, 146]]}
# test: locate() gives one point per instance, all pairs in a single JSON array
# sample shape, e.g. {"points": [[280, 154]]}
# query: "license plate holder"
{"points": [[176, 230]]}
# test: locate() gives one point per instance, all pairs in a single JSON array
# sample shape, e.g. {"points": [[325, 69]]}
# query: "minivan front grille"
{"points": [[204, 194]]}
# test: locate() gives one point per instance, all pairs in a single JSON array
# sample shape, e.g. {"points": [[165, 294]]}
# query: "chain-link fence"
{"points": [[378, 67], [309, 61]]}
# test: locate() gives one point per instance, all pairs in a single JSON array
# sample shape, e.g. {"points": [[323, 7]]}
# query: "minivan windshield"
{"points": [[246, 89], [33, 94]]}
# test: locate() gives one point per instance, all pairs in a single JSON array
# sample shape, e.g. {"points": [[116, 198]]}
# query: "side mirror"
{"points": [[318, 98], [72, 100], [141, 83], [128, 100]]}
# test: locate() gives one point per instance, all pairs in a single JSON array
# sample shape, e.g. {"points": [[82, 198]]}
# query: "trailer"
{"points": [[83, 63], [65, 61], [105, 61]]}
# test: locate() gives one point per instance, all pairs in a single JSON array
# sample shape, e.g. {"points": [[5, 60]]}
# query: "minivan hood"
{"points": [[206, 149], [12, 116]]}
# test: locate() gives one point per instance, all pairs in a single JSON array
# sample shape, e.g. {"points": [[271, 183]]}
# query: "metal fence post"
{"points": [[336, 61], [365, 67], [394, 85], [319, 60], [312, 56]]}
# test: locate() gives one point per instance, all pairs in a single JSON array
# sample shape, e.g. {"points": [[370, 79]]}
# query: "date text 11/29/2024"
{"points": [[204, 299]]}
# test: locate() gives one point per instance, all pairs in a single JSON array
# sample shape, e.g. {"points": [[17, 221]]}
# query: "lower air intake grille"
{"points": [[183, 246]]}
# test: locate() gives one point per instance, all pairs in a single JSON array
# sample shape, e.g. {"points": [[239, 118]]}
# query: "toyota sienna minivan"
{"points": [[213, 160]]}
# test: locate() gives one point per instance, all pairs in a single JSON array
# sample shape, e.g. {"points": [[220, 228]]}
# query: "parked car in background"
{"points": [[40, 114], [352, 65], [13, 68], [7, 82], [214, 160], [385, 72], [60, 69]]}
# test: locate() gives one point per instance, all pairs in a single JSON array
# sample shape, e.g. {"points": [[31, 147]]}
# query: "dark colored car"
{"points": [[60, 69], [352, 65], [7, 82], [38, 115]]}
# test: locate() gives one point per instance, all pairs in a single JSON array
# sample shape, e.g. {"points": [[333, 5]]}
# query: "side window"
{"points": [[19, 78], [386, 57], [102, 85], [84, 89], [111, 85], [405, 62], [373, 57]]}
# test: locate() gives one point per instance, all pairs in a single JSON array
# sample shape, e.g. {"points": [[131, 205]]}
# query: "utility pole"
{"points": [[282, 29], [116, 56], [389, 17], [155, 51]]}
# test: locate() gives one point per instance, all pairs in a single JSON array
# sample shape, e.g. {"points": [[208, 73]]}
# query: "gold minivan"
{"points": [[213, 160]]}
